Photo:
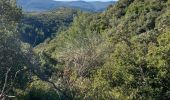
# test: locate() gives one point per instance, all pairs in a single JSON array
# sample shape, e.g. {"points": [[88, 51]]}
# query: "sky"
{"points": [[86, 0]]}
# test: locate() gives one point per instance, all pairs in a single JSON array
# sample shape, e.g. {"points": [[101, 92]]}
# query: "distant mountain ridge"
{"points": [[44, 5]]}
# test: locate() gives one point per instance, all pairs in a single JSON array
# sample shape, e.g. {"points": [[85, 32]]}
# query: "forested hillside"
{"points": [[36, 27], [122, 53]]}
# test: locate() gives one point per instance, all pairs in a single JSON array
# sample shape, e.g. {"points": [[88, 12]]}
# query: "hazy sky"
{"points": [[86, 0]]}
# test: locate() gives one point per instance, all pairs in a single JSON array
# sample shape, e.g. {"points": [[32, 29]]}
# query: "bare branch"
{"points": [[5, 83], [17, 72]]}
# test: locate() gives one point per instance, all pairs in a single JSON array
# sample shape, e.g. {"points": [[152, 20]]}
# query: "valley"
{"points": [[121, 52]]}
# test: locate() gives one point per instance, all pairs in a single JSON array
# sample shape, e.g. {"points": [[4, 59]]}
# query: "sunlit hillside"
{"points": [[121, 53]]}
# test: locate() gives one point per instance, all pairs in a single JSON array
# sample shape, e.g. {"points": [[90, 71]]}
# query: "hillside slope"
{"points": [[121, 54]]}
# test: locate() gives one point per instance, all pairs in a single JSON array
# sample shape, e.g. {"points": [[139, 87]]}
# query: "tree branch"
{"points": [[5, 83]]}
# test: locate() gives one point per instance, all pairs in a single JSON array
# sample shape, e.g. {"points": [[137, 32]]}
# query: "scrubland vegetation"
{"points": [[122, 53]]}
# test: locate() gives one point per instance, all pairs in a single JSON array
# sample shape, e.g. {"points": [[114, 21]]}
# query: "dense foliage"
{"points": [[122, 54], [37, 27], [14, 54], [19, 66]]}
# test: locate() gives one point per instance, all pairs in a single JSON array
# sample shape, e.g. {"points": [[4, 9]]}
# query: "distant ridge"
{"points": [[44, 5]]}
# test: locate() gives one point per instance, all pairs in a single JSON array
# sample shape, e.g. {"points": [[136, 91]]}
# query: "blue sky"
{"points": [[86, 0]]}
